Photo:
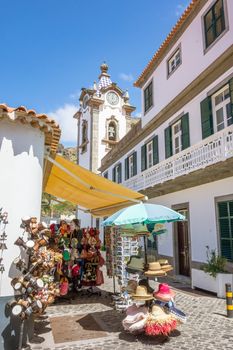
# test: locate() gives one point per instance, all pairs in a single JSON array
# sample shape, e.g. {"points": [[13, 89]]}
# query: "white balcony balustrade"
{"points": [[216, 148]]}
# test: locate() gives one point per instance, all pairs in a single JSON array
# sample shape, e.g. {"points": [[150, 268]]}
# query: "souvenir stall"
{"points": [[51, 262], [81, 258], [148, 310]]}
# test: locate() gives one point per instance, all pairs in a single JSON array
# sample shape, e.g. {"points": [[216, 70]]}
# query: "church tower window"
{"points": [[84, 136], [112, 131]]}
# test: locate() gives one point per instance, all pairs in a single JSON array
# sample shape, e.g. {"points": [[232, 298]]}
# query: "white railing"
{"points": [[214, 149]]}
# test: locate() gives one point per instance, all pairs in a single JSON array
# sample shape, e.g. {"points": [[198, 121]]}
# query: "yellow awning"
{"points": [[80, 186]]}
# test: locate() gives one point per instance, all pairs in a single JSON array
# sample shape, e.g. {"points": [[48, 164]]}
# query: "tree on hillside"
{"points": [[52, 206]]}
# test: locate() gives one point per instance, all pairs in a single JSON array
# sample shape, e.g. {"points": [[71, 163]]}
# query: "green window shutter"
{"points": [[168, 142], [206, 117], [126, 168], [225, 218], [155, 150], [185, 131], [120, 173], [114, 174], [135, 163], [231, 96], [143, 157]]}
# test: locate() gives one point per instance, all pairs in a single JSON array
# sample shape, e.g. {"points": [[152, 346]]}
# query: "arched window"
{"points": [[112, 131], [84, 133], [84, 136]]}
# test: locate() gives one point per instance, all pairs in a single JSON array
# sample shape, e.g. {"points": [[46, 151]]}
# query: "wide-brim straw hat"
{"points": [[158, 314], [166, 267], [136, 263], [155, 269], [142, 294], [164, 293]]}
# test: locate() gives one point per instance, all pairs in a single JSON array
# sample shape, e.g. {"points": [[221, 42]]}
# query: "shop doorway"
{"points": [[182, 244]]}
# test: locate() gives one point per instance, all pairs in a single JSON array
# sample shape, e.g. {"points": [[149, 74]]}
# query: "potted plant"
{"points": [[213, 275]]}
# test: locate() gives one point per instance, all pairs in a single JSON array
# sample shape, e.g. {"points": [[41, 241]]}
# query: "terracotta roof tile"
{"points": [[49, 126], [150, 66]]}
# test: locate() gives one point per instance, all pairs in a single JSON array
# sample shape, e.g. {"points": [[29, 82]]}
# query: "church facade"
{"points": [[103, 119]]}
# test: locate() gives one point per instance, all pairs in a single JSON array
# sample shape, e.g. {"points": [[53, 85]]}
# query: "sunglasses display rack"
{"points": [[125, 247]]}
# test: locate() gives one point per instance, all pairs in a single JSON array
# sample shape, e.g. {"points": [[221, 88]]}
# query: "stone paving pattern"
{"points": [[207, 327]]}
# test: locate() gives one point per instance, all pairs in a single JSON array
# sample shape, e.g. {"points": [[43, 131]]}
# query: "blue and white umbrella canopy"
{"points": [[144, 213]]}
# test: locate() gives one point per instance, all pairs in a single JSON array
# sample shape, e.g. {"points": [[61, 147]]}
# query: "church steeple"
{"points": [[104, 77]]}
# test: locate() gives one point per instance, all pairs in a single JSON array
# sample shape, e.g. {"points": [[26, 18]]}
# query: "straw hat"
{"points": [[159, 314], [155, 269], [167, 268], [131, 286], [136, 263], [164, 293], [142, 294]]}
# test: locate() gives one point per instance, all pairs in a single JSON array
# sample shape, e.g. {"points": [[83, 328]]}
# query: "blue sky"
{"points": [[50, 49]]}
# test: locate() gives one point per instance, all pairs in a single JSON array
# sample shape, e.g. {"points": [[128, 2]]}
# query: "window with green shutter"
{"points": [[143, 158], [221, 108], [126, 168], [134, 163], [225, 218], [155, 150], [231, 97], [114, 174], [118, 173], [150, 153], [131, 166], [120, 176], [148, 97], [206, 117], [214, 22], [168, 141], [185, 131]]}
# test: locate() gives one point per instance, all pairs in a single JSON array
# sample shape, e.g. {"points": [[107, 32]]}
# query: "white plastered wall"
{"points": [[21, 174], [202, 213], [194, 61]]}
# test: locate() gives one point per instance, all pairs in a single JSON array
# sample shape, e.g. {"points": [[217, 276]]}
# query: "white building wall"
{"points": [[194, 62], [21, 160], [193, 108], [202, 212]]}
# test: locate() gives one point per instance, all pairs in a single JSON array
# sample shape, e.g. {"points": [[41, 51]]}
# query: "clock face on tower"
{"points": [[112, 98]]}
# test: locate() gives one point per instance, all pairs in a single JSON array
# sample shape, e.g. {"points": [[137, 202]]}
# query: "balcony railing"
{"points": [[214, 149]]}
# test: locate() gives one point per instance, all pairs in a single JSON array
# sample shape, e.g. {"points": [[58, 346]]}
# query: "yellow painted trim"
{"points": [[229, 294], [229, 307]]}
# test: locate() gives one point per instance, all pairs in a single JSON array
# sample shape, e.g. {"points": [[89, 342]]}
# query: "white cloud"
{"points": [[138, 115], [75, 95], [64, 117], [126, 77], [180, 9]]}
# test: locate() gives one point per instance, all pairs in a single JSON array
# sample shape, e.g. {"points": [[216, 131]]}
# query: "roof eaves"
{"points": [[151, 65]]}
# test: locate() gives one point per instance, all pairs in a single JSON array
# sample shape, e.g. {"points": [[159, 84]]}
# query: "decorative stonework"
{"points": [[94, 141]]}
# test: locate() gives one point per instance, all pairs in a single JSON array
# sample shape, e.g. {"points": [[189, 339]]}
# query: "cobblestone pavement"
{"points": [[207, 327]]}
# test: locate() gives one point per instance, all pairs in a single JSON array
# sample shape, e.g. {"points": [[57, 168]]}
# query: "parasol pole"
{"points": [[145, 250]]}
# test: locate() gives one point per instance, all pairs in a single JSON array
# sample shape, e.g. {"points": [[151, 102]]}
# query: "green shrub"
{"points": [[215, 263]]}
